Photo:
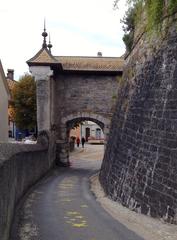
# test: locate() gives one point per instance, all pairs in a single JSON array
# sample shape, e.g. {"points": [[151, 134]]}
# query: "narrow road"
{"points": [[62, 207]]}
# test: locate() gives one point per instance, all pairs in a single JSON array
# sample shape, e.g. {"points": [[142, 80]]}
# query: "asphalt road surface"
{"points": [[62, 207]]}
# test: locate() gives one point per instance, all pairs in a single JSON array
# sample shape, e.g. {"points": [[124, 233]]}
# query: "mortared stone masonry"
{"points": [[139, 169]]}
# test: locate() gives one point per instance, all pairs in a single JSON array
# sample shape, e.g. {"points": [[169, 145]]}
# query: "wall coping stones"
{"points": [[8, 150], [21, 166]]}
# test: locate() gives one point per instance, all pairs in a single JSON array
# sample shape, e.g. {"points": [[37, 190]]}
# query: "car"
{"points": [[29, 140]]}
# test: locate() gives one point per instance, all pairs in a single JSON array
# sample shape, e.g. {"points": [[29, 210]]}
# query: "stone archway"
{"points": [[74, 88], [66, 124]]}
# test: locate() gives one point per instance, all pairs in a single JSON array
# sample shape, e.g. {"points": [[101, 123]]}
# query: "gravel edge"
{"points": [[144, 226]]}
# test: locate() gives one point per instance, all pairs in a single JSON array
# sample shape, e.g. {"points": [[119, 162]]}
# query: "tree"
{"points": [[24, 103], [129, 27]]}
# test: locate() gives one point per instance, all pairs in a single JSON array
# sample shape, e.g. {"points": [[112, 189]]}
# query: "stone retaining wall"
{"points": [[140, 164], [21, 165]]}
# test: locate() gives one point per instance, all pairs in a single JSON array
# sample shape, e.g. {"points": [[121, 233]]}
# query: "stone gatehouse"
{"points": [[74, 89]]}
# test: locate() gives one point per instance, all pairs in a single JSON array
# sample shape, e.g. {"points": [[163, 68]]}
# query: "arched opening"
{"points": [[92, 130], [86, 140], [83, 124]]}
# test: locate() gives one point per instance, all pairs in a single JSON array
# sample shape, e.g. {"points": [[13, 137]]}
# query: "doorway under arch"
{"points": [[87, 134], [89, 152], [72, 120]]}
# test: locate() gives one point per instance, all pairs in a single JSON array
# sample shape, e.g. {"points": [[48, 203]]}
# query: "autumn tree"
{"points": [[24, 103]]}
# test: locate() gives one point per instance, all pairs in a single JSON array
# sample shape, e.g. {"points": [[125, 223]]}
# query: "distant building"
{"points": [[89, 130], [4, 99], [11, 83]]}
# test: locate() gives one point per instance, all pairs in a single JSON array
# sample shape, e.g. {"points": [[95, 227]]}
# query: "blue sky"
{"points": [[77, 28]]}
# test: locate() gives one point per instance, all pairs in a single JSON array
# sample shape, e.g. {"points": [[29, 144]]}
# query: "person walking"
{"points": [[83, 142], [78, 141]]}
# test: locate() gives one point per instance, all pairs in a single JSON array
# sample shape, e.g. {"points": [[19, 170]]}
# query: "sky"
{"points": [[76, 27]]}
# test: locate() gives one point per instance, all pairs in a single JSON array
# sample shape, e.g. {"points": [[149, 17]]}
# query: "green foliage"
{"points": [[114, 97], [119, 79], [172, 6], [129, 27], [130, 19], [129, 2], [24, 104], [154, 11], [128, 40]]}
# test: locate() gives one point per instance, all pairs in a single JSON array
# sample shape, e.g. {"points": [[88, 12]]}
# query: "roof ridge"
{"points": [[39, 53], [90, 57]]}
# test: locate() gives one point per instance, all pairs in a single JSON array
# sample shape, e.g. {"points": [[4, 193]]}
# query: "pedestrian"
{"points": [[78, 141], [83, 141]]}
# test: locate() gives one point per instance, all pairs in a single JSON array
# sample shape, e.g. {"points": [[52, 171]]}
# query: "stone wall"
{"points": [[139, 169], [81, 96], [85, 92], [21, 165], [4, 98]]}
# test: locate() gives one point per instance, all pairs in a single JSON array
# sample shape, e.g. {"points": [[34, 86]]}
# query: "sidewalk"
{"points": [[146, 227]]}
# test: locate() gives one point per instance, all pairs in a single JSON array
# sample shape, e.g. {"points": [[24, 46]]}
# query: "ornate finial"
{"points": [[44, 34], [49, 45]]}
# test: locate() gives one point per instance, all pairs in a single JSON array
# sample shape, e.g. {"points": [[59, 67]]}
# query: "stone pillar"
{"points": [[106, 133], [62, 147], [42, 76]]}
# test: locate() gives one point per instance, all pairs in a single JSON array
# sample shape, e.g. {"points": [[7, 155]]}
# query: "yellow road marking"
{"points": [[75, 219], [66, 200], [72, 213], [79, 217], [84, 206], [79, 225]]}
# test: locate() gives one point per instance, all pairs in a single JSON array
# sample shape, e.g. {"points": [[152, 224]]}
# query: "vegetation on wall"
{"points": [[129, 27], [154, 12]]}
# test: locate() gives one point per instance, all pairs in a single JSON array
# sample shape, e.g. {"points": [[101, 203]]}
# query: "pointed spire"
{"points": [[44, 34], [49, 45]]}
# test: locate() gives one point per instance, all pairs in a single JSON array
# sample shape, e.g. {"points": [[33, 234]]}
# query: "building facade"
{"points": [[11, 84], [89, 130], [4, 98]]}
